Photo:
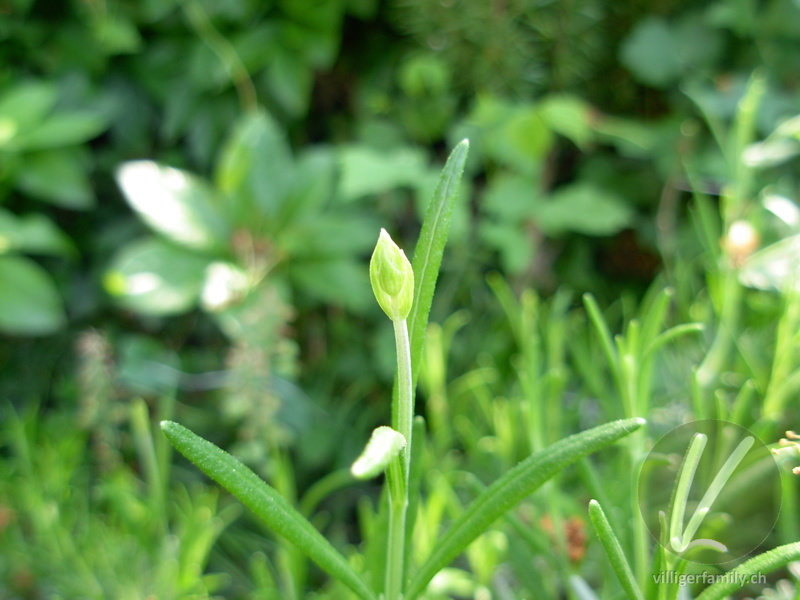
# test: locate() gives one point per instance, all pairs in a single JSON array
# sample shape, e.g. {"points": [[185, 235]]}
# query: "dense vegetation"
{"points": [[192, 189]]}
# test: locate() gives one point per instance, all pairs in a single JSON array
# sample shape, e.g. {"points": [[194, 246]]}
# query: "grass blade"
{"points": [[751, 570], [266, 503], [510, 489], [430, 249], [614, 551], [683, 486]]}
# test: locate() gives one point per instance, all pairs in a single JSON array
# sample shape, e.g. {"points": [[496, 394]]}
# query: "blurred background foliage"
{"points": [[190, 191]]}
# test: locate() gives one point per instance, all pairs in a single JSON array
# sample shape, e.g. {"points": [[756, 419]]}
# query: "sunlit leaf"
{"points": [[155, 278], [175, 204], [776, 267]]}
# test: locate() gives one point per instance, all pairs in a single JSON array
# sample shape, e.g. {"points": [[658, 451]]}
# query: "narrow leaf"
{"points": [[751, 570], [272, 508], [614, 551], [430, 249], [510, 489]]}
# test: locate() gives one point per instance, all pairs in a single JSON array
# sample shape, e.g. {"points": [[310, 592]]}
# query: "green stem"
{"points": [[395, 555], [399, 469], [219, 44], [405, 396]]}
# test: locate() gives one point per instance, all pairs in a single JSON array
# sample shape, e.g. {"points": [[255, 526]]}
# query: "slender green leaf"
{"points": [[599, 322], [510, 489], [614, 551], [272, 508], [750, 570], [414, 483], [719, 481], [682, 487], [430, 249]]}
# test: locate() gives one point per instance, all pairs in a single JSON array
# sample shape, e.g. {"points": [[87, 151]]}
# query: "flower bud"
{"points": [[384, 445], [392, 278]]}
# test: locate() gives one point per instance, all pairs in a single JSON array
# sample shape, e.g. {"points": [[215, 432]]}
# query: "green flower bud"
{"points": [[392, 278]]}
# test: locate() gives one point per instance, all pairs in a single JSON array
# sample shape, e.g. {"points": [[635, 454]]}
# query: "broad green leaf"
{"points": [[174, 203], [512, 242], [583, 208], [742, 575], [29, 302], [290, 81], [511, 197], [153, 277], [650, 53], [256, 169], [61, 129], [329, 235], [313, 186], [614, 551], [527, 136], [115, 34], [57, 176], [23, 107], [268, 505], [509, 490], [368, 171], [32, 233], [569, 116], [430, 249]]}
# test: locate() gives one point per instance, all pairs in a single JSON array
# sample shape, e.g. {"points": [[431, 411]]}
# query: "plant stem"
{"points": [[399, 469], [395, 553], [405, 391]]}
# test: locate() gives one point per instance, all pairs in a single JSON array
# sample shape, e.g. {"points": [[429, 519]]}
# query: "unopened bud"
{"points": [[392, 278], [742, 240], [384, 445]]}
